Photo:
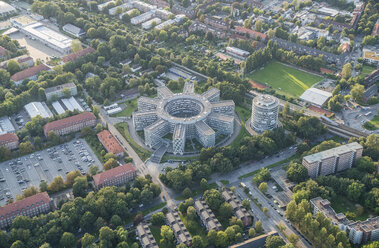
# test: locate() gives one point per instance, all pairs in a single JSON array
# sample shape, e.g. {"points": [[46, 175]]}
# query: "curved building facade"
{"points": [[264, 113], [184, 115]]}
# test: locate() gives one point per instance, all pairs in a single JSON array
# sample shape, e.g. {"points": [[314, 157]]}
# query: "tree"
{"points": [[107, 234], [157, 219], [191, 213], [264, 210], [197, 242], [357, 93], [274, 242], [293, 238], [18, 244], [56, 185], [167, 237], [263, 187], [246, 204], [221, 239], [70, 177], [13, 66], [43, 186], [26, 147], [5, 153], [355, 191], [67, 240], [163, 36], [187, 193], [213, 198], [76, 46], [296, 172], [111, 163], [252, 232], [258, 226], [212, 237], [262, 175], [80, 186], [87, 240], [346, 71], [203, 184], [258, 26], [93, 170]]}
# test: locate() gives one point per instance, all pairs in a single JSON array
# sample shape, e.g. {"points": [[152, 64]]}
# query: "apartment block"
{"points": [[207, 216], [9, 140], [59, 91], [110, 143], [115, 176], [333, 160], [70, 124], [358, 231], [145, 236], [177, 226], [30, 206], [239, 211]]}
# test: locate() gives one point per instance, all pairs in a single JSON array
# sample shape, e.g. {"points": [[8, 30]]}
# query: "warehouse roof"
{"points": [[316, 96], [6, 8], [38, 108]]}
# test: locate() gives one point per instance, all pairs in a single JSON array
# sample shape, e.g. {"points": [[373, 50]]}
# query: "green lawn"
{"points": [[131, 106], [375, 120], [154, 208], [142, 152], [244, 114], [156, 231], [292, 82], [366, 69], [341, 205], [194, 227]]}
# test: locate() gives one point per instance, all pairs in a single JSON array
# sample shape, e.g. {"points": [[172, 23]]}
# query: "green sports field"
{"points": [[291, 81]]}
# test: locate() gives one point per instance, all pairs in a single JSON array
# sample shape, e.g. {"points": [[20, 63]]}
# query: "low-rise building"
{"points": [[9, 140], [142, 18], [372, 78], [234, 51], [371, 56], [115, 177], [6, 9], [6, 125], [101, 6], [35, 109], [316, 96], [25, 61], [29, 73], [149, 24], [110, 143], [70, 124], [333, 160], [77, 55], [30, 206], [251, 33], [4, 53], [217, 23], [358, 231], [59, 91], [145, 236], [74, 30], [207, 216], [239, 211], [180, 231]]}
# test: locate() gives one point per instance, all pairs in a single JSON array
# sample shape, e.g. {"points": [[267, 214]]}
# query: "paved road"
{"points": [[140, 166]]}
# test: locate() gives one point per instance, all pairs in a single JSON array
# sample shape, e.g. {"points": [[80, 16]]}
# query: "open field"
{"points": [[366, 69], [131, 106], [291, 81]]}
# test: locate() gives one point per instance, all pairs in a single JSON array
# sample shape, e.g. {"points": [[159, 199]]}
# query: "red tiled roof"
{"points": [[251, 32], [3, 51], [375, 30], [75, 56], [21, 205], [68, 121], [257, 85], [109, 142], [100, 178], [320, 110], [326, 71], [7, 138], [29, 72]]}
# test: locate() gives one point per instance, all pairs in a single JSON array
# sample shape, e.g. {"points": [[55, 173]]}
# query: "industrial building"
{"points": [[71, 104], [186, 115], [110, 143], [48, 37], [358, 231], [115, 177], [74, 30], [6, 125], [58, 108], [149, 24], [6, 9], [30, 206], [316, 96], [207, 216], [180, 231], [264, 113], [70, 124], [38, 108], [58, 91], [145, 236], [333, 160]]}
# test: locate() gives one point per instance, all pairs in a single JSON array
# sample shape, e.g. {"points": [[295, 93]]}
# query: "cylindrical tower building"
{"points": [[264, 113]]}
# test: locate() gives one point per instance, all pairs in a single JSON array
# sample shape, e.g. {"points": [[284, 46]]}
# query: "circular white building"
{"points": [[186, 115], [264, 113]]}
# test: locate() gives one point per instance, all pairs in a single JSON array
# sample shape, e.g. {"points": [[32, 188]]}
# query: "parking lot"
{"points": [[18, 174]]}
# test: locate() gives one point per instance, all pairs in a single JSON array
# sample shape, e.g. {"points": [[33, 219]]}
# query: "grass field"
{"points": [[366, 69], [291, 81], [131, 106]]}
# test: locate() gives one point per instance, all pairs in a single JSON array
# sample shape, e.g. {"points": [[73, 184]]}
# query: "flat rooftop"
{"points": [[318, 157]]}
